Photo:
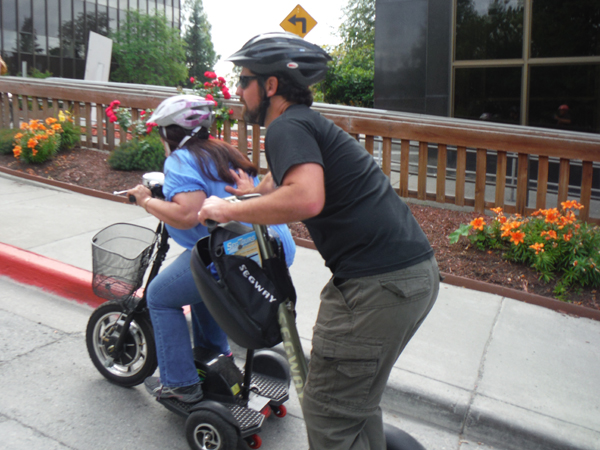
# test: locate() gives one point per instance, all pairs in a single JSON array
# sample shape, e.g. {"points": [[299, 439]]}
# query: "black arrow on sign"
{"points": [[294, 20]]}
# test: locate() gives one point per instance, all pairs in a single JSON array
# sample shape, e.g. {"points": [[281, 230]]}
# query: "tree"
{"points": [[147, 51], [350, 78], [200, 52]]}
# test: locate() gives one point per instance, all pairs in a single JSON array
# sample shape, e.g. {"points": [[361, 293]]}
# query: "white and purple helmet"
{"points": [[187, 111]]}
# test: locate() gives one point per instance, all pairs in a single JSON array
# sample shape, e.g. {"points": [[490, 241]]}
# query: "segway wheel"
{"points": [[254, 441], [137, 360], [205, 430], [280, 411]]}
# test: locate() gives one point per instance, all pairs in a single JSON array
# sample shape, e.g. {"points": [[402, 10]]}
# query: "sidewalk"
{"points": [[483, 367]]}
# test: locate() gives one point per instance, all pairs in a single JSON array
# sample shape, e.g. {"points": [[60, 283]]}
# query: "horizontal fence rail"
{"points": [[451, 161]]}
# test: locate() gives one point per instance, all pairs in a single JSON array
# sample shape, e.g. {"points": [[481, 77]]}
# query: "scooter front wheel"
{"points": [[136, 361]]}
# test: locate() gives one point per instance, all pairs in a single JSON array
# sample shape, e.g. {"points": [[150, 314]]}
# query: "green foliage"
{"points": [[71, 134], [38, 74], [147, 51], [141, 153], [556, 244], [350, 79], [200, 52], [7, 138]]}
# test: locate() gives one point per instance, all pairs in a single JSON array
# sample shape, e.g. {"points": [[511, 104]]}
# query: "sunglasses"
{"points": [[245, 80]]}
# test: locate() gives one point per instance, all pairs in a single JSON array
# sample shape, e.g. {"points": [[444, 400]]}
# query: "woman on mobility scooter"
{"points": [[196, 167]]}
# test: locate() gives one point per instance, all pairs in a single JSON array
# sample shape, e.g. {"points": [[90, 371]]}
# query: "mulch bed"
{"points": [[88, 168]]}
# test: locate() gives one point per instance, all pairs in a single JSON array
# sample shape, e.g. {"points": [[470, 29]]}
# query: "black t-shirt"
{"points": [[364, 228]]}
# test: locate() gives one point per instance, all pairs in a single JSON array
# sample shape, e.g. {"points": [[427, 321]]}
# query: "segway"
{"points": [[263, 320]]}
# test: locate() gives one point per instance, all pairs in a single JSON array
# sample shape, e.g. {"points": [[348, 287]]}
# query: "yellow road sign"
{"points": [[298, 22]]}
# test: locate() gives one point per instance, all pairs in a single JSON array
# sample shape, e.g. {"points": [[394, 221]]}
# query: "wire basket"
{"points": [[120, 256]]}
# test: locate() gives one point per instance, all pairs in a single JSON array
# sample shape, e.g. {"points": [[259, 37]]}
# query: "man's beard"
{"points": [[252, 115]]}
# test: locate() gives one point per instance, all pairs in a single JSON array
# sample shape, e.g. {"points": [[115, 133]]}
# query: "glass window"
{"points": [[491, 94], [112, 18], [39, 20], [565, 28], [53, 19], [10, 41], [565, 97], [489, 29], [9, 17]]}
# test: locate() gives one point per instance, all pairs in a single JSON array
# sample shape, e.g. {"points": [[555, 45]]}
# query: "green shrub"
{"points": [[7, 140], [145, 153], [71, 134], [37, 141]]}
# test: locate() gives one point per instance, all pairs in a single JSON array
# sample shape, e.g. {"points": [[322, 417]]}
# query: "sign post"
{"points": [[298, 22]]}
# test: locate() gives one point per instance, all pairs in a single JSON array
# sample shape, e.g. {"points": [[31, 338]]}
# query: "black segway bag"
{"points": [[245, 299]]}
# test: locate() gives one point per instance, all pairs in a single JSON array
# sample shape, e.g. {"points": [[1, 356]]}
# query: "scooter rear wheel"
{"points": [[205, 430], [137, 361]]}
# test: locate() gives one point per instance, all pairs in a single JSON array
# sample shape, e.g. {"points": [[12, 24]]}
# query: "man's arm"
{"points": [[300, 196]]}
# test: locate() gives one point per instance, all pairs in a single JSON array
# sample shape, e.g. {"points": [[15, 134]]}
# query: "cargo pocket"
{"points": [[343, 371]]}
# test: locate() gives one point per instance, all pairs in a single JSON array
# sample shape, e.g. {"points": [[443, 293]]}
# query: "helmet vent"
{"points": [[292, 65]]}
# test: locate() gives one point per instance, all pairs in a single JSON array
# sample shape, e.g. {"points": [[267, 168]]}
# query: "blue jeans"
{"points": [[172, 289]]}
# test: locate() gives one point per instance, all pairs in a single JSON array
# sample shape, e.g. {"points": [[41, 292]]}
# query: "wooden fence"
{"points": [[431, 158]]}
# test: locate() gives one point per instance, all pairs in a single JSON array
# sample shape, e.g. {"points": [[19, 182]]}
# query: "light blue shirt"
{"points": [[183, 174]]}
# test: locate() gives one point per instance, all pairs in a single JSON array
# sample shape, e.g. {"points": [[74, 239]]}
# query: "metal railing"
{"points": [[444, 160]]}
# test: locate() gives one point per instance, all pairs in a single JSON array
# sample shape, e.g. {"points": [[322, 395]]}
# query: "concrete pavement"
{"points": [[484, 371]]}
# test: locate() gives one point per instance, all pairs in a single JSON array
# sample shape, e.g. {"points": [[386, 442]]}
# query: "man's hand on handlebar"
{"points": [[214, 208]]}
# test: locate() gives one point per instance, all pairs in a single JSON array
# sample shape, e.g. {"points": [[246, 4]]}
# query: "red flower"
{"points": [[210, 75], [149, 127], [209, 97], [207, 84], [115, 103], [192, 79], [221, 80], [142, 112], [226, 95], [231, 112]]}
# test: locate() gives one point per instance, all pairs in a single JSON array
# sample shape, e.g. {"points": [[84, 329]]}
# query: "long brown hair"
{"points": [[225, 156]]}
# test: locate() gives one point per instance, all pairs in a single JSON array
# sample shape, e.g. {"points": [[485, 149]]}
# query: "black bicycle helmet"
{"points": [[281, 53]]}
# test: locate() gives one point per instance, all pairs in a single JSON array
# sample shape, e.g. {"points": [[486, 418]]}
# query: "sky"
{"points": [[234, 22]]}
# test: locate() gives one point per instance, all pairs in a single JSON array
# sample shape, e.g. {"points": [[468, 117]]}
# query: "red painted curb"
{"points": [[50, 275]]}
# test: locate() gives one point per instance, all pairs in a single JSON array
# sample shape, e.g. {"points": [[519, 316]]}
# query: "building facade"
{"points": [[52, 35], [529, 62]]}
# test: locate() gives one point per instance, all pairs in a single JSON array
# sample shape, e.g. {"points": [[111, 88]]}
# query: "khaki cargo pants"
{"points": [[362, 327]]}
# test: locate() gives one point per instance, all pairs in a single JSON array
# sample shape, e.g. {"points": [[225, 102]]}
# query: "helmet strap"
{"points": [[191, 135]]}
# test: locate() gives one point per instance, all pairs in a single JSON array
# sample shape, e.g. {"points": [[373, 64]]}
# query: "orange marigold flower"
{"points": [[57, 127], [537, 247], [502, 219], [34, 152], [508, 226], [549, 234], [567, 237], [17, 151], [50, 120], [31, 143], [497, 210], [478, 223], [18, 135], [517, 237], [43, 137], [571, 204], [24, 126], [552, 215]]}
